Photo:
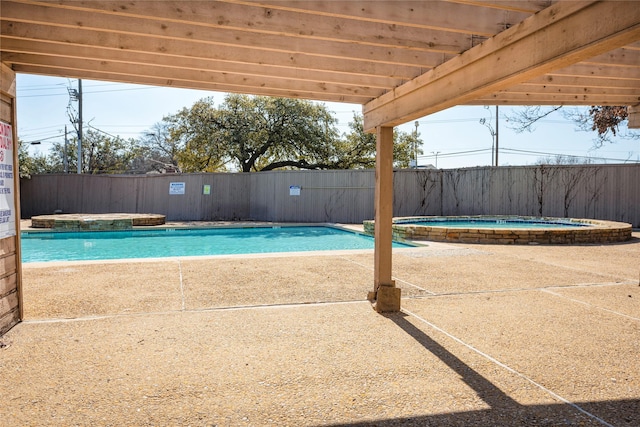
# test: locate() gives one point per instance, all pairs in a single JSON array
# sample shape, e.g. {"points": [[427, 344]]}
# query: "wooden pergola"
{"points": [[401, 60]]}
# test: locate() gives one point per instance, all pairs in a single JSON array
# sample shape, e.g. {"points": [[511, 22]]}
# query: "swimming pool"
{"points": [[177, 242]]}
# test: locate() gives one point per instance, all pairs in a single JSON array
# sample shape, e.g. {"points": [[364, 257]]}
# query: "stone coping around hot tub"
{"points": [[597, 231], [89, 222]]}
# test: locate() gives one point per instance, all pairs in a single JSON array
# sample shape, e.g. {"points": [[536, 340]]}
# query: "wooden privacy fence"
{"points": [[610, 192]]}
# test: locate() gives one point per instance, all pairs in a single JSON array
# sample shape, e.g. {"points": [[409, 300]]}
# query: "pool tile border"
{"points": [[96, 222], [598, 231]]}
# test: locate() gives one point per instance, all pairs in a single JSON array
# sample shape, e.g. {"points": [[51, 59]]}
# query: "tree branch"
{"points": [[301, 164], [524, 119]]}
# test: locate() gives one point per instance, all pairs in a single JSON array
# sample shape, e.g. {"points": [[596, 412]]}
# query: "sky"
{"points": [[452, 138]]}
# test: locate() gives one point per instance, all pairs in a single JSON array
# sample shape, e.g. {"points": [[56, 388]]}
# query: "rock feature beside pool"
{"points": [[92, 222], [584, 231]]}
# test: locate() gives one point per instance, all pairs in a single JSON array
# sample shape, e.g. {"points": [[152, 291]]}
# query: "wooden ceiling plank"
{"points": [[222, 79], [262, 26], [10, 45], [569, 90], [156, 81], [598, 71], [622, 57], [531, 6], [440, 15], [557, 99], [176, 83], [75, 20], [553, 38], [179, 49], [580, 81]]}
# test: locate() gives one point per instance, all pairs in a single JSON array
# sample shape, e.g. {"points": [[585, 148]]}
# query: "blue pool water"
{"points": [[75, 246], [493, 223]]}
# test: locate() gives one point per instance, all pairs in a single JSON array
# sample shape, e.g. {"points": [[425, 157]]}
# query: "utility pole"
{"points": [[65, 158], [79, 126], [496, 136], [76, 95], [435, 153], [415, 145]]}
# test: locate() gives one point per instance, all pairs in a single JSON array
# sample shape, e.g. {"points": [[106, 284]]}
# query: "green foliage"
{"points": [[101, 154], [358, 149], [405, 145], [28, 164], [252, 134], [105, 154], [255, 133], [193, 130]]}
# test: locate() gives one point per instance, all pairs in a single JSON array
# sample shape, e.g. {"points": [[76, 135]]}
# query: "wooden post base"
{"points": [[387, 299]]}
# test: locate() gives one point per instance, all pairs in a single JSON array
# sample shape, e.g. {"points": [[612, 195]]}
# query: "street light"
{"points": [[494, 134]]}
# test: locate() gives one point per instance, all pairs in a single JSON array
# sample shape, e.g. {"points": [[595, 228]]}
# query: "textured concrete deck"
{"points": [[489, 335]]}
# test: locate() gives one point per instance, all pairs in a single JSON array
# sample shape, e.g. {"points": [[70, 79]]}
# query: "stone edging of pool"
{"points": [[595, 231], [94, 222]]}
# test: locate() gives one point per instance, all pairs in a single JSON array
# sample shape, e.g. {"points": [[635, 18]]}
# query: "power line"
{"points": [[90, 92], [43, 95], [515, 151], [124, 90], [101, 131], [538, 153], [44, 127], [38, 87], [123, 126], [458, 153], [460, 120], [42, 139]]}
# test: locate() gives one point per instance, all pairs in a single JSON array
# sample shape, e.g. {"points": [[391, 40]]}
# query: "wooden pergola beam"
{"points": [[177, 63], [177, 83], [251, 83], [339, 60], [556, 37]]}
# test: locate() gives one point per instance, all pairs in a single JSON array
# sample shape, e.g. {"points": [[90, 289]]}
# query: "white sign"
{"points": [[176, 188], [294, 190], [7, 206]]}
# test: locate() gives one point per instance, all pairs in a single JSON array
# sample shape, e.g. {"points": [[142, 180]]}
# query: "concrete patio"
{"points": [[489, 335]]}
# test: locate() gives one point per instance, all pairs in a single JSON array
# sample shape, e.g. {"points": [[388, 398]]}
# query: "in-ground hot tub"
{"points": [[507, 229]]}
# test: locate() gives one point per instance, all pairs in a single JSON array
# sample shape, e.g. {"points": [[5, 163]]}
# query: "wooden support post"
{"points": [[386, 296], [10, 265]]}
